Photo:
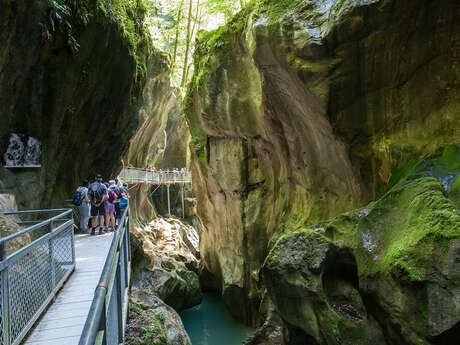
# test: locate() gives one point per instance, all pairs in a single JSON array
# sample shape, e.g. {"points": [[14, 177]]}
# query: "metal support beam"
{"points": [[183, 203], [169, 201]]}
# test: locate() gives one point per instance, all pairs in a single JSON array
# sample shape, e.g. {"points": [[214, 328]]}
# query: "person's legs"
{"points": [[112, 218], [101, 222], [107, 219], [84, 217], [94, 210], [117, 213]]}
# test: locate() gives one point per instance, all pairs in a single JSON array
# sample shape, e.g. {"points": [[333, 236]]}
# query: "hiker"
{"points": [[84, 206], [124, 199], [110, 208], [97, 195], [115, 187]]}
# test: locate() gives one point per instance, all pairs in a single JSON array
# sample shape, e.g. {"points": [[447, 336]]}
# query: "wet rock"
{"points": [[8, 226], [152, 322], [391, 276], [166, 253], [272, 332]]}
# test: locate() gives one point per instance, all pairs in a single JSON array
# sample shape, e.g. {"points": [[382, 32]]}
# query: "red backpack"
{"points": [[112, 196]]}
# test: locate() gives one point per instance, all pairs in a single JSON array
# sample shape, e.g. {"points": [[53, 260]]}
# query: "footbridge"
{"points": [[158, 178], [59, 288], [167, 177]]}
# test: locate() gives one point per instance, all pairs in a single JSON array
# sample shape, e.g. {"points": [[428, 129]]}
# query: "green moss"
{"points": [[454, 194], [402, 230], [278, 9], [127, 15], [145, 327]]}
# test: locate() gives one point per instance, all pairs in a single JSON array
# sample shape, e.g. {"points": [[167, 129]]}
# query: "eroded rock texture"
{"points": [[165, 262], [384, 274], [301, 110], [74, 78]]}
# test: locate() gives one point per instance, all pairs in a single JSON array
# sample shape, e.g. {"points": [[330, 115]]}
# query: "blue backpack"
{"points": [[77, 198], [123, 203]]}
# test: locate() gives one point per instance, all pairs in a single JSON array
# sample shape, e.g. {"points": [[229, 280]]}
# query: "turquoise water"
{"points": [[211, 324]]}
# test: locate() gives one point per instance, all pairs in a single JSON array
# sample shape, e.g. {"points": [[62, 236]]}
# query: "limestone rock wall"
{"points": [[73, 78], [301, 110]]}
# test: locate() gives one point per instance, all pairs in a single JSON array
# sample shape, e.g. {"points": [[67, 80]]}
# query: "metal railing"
{"points": [[31, 276], [155, 177], [107, 317]]}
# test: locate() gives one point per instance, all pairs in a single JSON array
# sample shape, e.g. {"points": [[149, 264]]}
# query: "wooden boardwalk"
{"points": [[63, 322]]}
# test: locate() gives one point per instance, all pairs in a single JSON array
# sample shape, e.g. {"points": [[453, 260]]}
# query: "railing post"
{"points": [[120, 294], [72, 242], [51, 261], [5, 298], [103, 324]]}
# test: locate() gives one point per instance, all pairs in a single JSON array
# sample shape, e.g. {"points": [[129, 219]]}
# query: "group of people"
{"points": [[101, 201], [174, 171]]}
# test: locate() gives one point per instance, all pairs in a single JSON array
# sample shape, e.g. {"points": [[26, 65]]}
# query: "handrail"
{"points": [[155, 177], [32, 275], [35, 226], [102, 319], [34, 211]]}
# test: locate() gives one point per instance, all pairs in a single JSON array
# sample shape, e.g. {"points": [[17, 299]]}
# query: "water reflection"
{"points": [[211, 324]]}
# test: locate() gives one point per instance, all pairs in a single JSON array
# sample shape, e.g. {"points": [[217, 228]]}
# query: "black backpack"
{"points": [[96, 192]]}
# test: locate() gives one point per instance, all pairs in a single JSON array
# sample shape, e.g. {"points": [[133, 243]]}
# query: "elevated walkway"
{"points": [[64, 320], [57, 288], [135, 175]]}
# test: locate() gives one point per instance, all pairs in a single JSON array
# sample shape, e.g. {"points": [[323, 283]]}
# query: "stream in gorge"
{"points": [[211, 324]]}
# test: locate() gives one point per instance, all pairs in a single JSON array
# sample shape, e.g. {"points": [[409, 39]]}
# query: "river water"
{"points": [[211, 324]]}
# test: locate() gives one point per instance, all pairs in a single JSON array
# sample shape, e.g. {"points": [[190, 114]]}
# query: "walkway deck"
{"points": [[63, 322]]}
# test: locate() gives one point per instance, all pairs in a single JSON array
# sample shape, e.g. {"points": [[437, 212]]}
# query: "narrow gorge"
{"points": [[323, 139]]}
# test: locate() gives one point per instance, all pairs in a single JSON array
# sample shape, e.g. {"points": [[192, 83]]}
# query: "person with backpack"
{"points": [[124, 199], [97, 195], [81, 200], [115, 187], [110, 208]]}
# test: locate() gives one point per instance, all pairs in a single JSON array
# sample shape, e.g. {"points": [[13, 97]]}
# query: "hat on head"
{"points": [[106, 184], [99, 177], [112, 182]]}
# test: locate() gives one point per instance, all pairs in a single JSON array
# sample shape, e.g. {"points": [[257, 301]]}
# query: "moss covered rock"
{"points": [[154, 324], [394, 263], [300, 111]]}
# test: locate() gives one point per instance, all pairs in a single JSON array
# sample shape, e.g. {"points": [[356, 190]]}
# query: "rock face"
{"points": [[8, 226], [73, 77], [165, 263], [385, 274], [302, 110], [153, 322]]}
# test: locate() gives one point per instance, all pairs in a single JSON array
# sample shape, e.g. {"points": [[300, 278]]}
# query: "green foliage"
{"points": [[227, 7], [60, 13], [128, 15]]}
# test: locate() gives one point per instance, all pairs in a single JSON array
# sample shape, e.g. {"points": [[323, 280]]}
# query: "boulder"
{"points": [[166, 252], [388, 273], [152, 322]]}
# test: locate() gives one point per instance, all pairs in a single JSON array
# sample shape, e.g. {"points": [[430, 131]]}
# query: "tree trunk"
{"points": [[187, 43], [176, 41]]}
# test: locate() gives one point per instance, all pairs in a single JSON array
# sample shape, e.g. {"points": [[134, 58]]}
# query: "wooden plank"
{"points": [[65, 318]]}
